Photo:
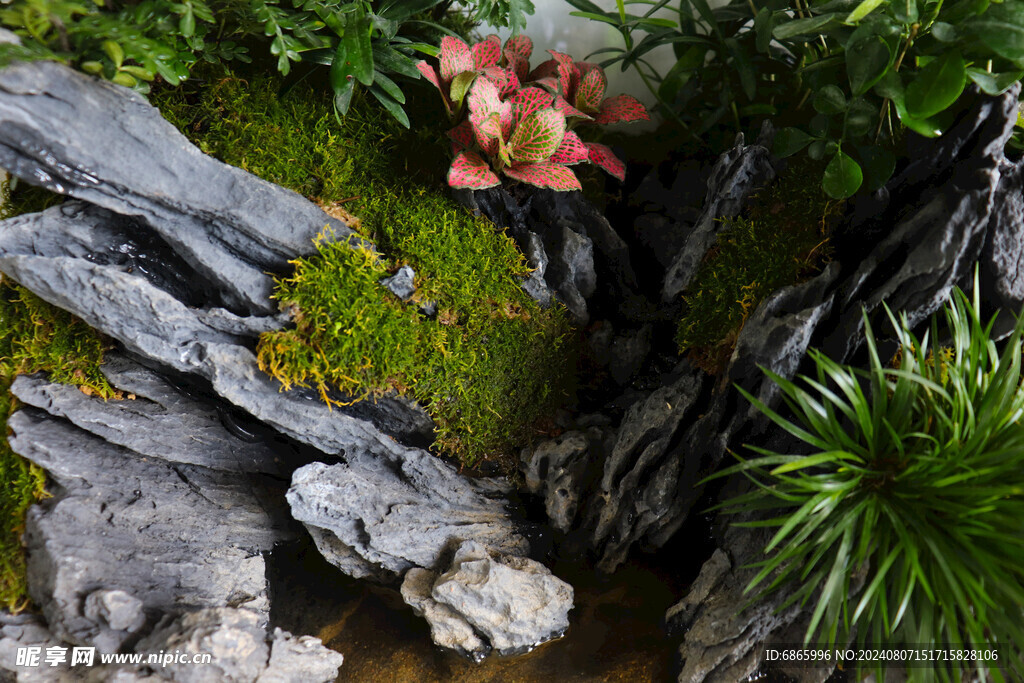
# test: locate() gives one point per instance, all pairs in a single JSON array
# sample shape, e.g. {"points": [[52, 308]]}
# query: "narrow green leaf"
{"points": [[863, 9]]}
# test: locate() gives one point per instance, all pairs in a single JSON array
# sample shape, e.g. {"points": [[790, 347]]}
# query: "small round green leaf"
{"points": [[842, 177], [817, 150], [937, 86], [829, 100], [866, 62], [861, 117], [789, 141]]}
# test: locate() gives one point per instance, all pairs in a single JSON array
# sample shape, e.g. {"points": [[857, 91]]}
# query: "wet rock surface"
{"points": [[484, 602]]}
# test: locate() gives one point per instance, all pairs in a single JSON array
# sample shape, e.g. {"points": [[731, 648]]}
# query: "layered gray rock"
{"points": [[556, 470], [95, 141], [54, 253], [379, 517], [484, 602]]}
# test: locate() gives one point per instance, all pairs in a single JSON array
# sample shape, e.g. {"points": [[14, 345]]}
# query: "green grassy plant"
{"points": [[916, 473], [487, 366], [782, 239]]}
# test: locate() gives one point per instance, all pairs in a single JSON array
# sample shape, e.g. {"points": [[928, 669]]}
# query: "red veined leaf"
{"points": [[517, 64], [455, 58], [483, 97], [538, 136], [603, 156], [462, 135], [621, 108], [496, 75], [571, 151], [544, 70], [511, 84], [520, 45], [507, 119], [591, 91], [469, 170], [529, 100], [486, 53], [568, 74], [544, 174], [570, 111], [487, 131], [549, 83], [584, 67]]}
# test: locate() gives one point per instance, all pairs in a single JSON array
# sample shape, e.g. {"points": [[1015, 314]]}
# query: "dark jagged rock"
{"points": [[556, 470], [51, 254], [378, 516], [508, 604], [95, 141], [1002, 262], [568, 242], [737, 175]]}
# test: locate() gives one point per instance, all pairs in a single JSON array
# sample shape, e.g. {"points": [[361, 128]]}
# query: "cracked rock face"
{"points": [[484, 602]]}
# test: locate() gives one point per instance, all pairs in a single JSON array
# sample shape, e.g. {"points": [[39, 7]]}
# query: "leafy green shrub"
{"points": [[364, 42], [487, 366], [916, 473], [519, 122], [838, 69]]}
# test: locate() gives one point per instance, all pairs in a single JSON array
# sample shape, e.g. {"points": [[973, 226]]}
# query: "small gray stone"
{"points": [[117, 609], [402, 284]]}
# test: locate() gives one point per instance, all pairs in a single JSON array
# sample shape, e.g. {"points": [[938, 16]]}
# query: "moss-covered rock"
{"points": [[488, 365], [780, 240]]}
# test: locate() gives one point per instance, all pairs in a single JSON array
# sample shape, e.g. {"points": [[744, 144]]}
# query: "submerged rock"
{"points": [[377, 518], [484, 602]]}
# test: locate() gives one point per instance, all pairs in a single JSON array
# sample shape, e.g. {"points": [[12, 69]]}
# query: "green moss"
{"points": [[34, 336], [489, 365], [782, 239]]}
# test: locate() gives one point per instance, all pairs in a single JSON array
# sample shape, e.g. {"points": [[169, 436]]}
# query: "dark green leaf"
{"points": [[789, 141], [943, 32], [829, 100], [743, 66], [400, 10], [878, 164], [810, 26], [862, 10], [343, 96], [842, 177], [904, 11], [764, 22], [937, 86], [861, 117], [393, 107], [866, 63], [994, 84], [389, 60], [1001, 28], [816, 150]]}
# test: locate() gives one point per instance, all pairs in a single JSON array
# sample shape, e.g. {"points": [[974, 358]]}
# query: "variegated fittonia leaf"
{"points": [[570, 111], [455, 58], [487, 130], [518, 64], [590, 92], [431, 74], [468, 170], [538, 136], [520, 45], [568, 74], [486, 53], [621, 109], [529, 100], [545, 174], [483, 97], [462, 135], [603, 156], [571, 151]]}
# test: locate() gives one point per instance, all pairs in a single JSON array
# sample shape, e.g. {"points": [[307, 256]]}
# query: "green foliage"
{"points": [[487, 366], [782, 239], [365, 43], [511, 13], [34, 336], [914, 475], [844, 73]]}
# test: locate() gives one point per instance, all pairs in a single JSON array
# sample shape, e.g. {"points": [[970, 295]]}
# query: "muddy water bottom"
{"points": [[615, 631]]}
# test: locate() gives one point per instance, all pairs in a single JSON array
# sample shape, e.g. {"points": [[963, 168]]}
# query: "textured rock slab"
{"points": [[512, 603], [105, 144], [556, 470], [160, 421], [379, 518], [126, 536]]}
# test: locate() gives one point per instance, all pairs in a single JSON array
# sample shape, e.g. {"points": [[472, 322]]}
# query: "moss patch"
{"points": [[780, 240], [491, 362]]}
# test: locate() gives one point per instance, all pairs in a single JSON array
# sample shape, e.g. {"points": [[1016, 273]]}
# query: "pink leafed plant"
{"points": [[514, 122]]}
